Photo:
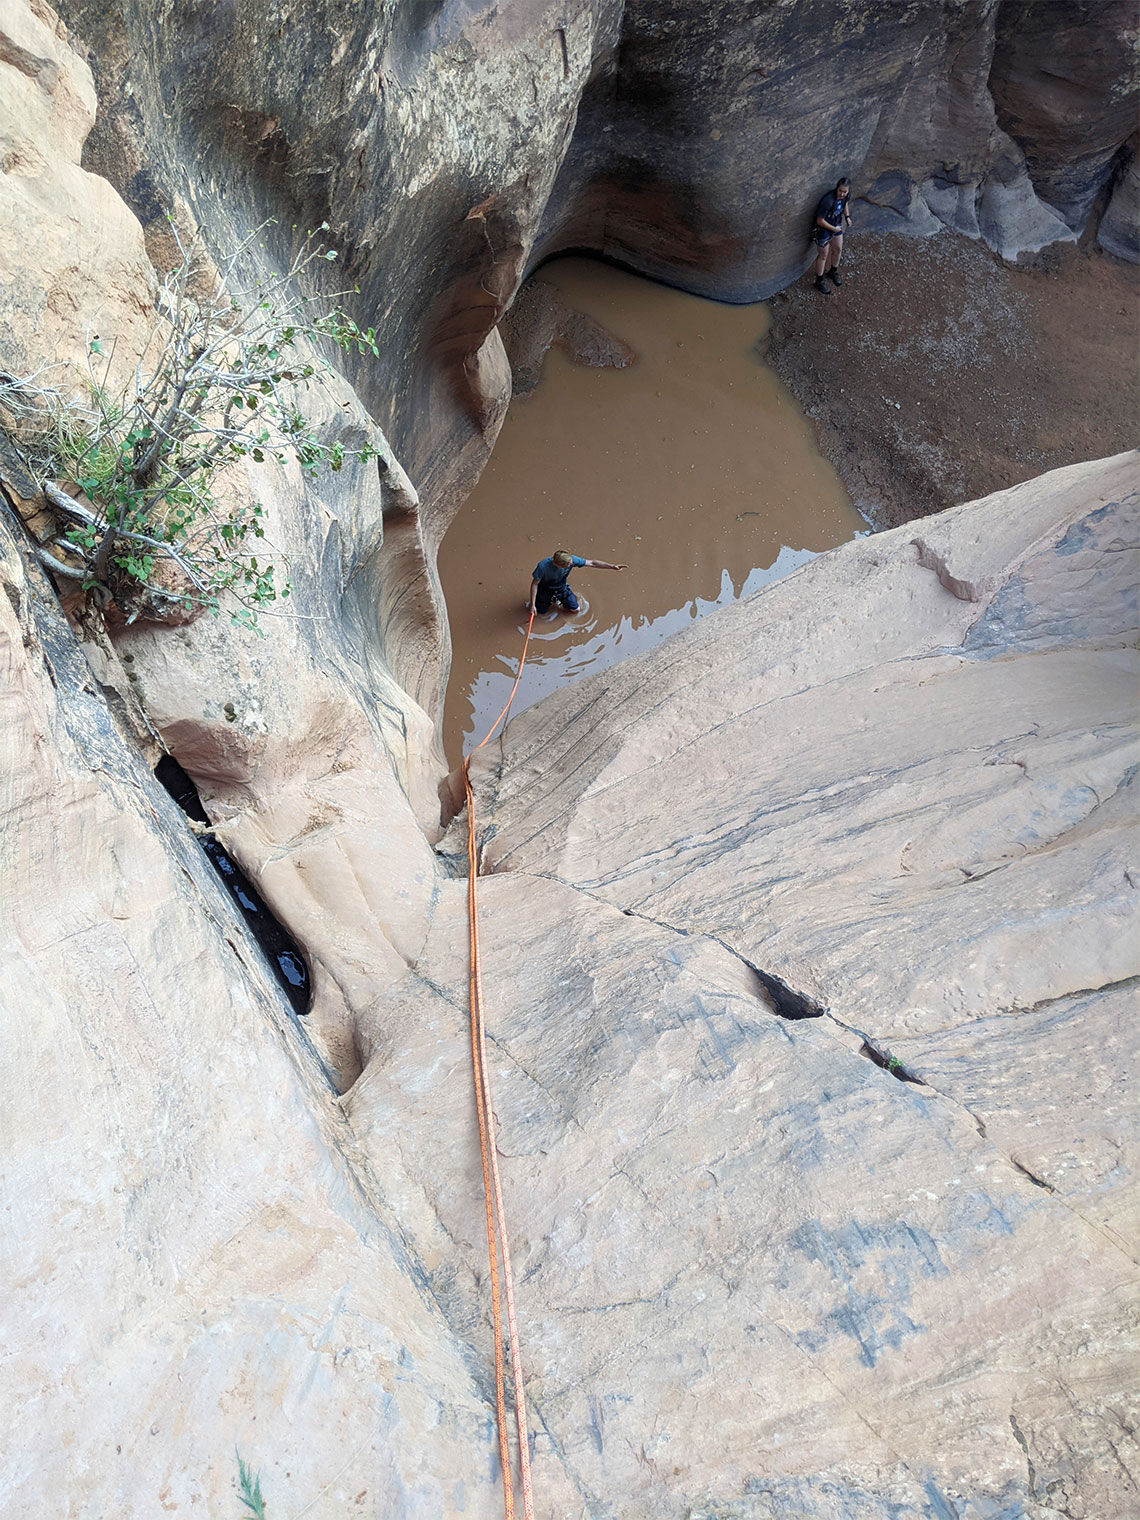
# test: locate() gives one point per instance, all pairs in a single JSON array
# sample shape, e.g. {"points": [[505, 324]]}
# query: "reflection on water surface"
{"points": [[694, 465]]}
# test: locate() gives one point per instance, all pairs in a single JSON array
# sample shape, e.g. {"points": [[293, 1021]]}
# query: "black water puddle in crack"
{"points": [[280, 949]]}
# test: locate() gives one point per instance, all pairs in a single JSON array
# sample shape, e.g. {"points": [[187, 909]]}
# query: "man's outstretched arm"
{"points": [[602, 564]]}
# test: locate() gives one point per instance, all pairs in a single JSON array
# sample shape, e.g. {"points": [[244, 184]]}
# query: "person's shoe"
{"points": [[821, 285], [836, 281]]}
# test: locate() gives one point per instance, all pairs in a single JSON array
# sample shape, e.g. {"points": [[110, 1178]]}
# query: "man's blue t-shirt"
{"points": [[547, 573]]}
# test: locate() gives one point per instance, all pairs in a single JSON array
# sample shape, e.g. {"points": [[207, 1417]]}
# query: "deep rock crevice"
{"points": [[278, 946]]}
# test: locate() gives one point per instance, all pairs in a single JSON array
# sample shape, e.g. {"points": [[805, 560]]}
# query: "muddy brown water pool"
{"points": [[694, 465]]}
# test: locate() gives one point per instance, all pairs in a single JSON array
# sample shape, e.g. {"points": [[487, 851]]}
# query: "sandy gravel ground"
{"points": [[939, 374]]}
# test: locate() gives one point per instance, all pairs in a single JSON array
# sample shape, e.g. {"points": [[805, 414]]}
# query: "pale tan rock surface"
{"points": [[758, 1275], [301, 732], [196, 1257], [760, 1278], [925, 726], [77, 249], [898, 782]]}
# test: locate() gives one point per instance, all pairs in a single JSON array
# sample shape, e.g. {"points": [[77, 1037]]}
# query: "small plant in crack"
{"points": [[139, 477], [889, 1063], [249, 1489]]}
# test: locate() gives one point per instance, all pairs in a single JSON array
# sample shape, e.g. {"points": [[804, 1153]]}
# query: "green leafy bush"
{"points": [[148, 515]]}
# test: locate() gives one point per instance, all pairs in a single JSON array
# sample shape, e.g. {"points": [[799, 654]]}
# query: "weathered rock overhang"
{"points": [[451, 148]]}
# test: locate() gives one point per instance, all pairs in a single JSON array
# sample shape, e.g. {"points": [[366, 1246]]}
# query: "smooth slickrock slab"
{"points": [[923, 753], [195, 1256], [758, 1276], [897, 784]]}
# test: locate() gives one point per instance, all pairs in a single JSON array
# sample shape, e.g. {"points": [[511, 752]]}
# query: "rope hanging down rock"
{"points": [[504, 1293]]}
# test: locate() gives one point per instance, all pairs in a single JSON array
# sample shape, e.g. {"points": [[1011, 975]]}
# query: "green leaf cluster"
{"points": [[222, 384]]}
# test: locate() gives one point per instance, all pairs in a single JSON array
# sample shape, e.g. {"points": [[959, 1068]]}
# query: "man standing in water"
{"points": [[831, 216], [551, 580]]}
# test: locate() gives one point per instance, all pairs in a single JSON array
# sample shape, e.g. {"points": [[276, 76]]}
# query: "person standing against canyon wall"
{"points": [[551, 580], [831, 217]]}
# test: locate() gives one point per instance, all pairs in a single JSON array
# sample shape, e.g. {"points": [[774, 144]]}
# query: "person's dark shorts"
{"points": [[823, 237], [560, 594]]}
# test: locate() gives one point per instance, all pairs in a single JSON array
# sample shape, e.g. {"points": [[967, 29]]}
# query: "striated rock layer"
{"points": [[807, 940]]}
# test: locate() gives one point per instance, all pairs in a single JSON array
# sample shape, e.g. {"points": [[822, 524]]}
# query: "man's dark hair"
{"points": [[839, 183]]}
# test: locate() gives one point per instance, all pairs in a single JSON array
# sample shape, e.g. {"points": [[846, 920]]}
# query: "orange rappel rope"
{"points": [[492, 1188]]}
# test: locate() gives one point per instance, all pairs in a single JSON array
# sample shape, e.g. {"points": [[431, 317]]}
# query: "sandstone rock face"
{"points": [[875, 1263], [895, 790], [196, 1254], [1064, 84], [452, 148], [1119, 230], [76, 249], [866, 827]]}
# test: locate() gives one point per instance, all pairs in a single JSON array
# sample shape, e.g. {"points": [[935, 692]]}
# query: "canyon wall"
{"points": [[813, 1040], [809, 1069], [452, 146]]}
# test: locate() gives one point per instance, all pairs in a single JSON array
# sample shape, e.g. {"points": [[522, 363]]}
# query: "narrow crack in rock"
{"points": [[1031, 1476], [867, 1048], [887, 1062], [1033, 1177]]}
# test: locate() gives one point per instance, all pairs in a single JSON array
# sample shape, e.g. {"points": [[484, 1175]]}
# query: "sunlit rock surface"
{"points": [[197, 1257], [760, 1275]]}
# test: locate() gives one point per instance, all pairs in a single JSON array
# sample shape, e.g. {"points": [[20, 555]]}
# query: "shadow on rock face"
{"points": [[280, 948]]}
